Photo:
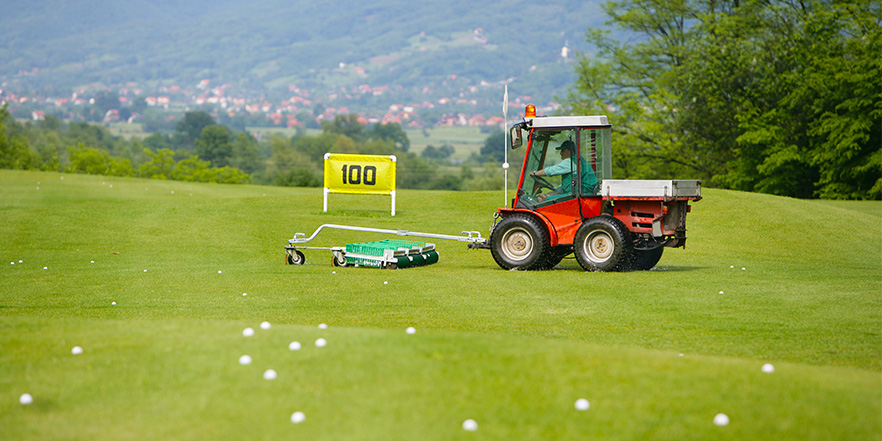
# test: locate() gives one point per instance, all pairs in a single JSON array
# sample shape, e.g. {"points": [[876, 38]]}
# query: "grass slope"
{"points": [[657, 353]]}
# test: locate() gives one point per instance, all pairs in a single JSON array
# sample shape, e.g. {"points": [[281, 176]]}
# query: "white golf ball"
{"points": [[410, 330], [721, 292], [298, 417], [269, 374], [21, 261], [247, 332], [25, 399], [220, 272], [294, 346], [113, 303], [768, 368], [385, 282], [321, 343], [265, 325], [582, 404], [721, 419], [46, 267], [92, 261], [144, 270], [322, 326], [12, 263], [470, 425], [743, 269], [245, 359], [76, 350], [244, 294]]}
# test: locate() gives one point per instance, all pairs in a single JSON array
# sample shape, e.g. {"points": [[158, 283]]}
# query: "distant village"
{"points": [[294, 111]]}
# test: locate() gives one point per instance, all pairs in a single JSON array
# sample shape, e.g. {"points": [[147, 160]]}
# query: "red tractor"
{"points": [[610, 225]]}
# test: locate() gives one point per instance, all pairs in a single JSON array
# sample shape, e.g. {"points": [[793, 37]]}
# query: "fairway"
{"points": [[156, 281]]}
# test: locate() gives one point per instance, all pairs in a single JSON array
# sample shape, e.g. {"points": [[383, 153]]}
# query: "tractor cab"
{"points": [[566, 159]]}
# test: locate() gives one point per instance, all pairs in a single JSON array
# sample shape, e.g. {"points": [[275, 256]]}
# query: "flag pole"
{"points": [[505, 143]]}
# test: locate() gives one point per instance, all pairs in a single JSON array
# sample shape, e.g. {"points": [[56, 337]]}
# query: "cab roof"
{"points": [[567, 121]]}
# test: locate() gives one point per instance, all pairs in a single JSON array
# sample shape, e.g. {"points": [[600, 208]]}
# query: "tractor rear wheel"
{"points": [[643, 260], [520, 242], [603, 243]]}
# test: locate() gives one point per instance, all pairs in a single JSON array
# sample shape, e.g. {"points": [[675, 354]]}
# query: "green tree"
{"points": [[14, 151], [160, 165], [214, 146], [759, 95], [190, 128], [346, 125], [494, 146], [246, 154], [391, 132]]}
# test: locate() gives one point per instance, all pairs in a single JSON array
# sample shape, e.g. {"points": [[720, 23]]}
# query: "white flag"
{"points": [[505, 101]]}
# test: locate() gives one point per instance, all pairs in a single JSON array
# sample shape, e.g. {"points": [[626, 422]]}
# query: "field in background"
{"points": [[763, 279]]}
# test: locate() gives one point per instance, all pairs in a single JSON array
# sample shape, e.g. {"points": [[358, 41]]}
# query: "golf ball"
{"points": [[247, 332], [470, 425], [265, 325], [245, 359], [321, 343], [768, 368], [297, 417], [294, 346], [113, 303], [25, 399], [244, 294], [322, 326], [582, 404], [721, 419], [76, 350], [269, 374], [385, 282], [721, 292], [410, 330], [220, 272]]}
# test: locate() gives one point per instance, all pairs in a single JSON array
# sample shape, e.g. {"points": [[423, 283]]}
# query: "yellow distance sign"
{"points": [[359, 174]]}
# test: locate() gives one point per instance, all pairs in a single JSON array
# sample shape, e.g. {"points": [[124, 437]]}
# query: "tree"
{"points": [[760, 95], [214, 146], [190, 127], [346, 125], [494, 146], [14, 151], [246, 154], [391, 132], [160, 166]]}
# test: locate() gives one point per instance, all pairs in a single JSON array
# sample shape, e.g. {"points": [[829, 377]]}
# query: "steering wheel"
{"points": [[544, 183]]}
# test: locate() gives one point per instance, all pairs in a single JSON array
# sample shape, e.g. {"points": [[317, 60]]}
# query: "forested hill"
{"points": [[266, 45]]}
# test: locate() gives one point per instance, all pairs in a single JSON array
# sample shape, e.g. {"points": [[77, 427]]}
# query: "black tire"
{"points": [[296, 258], [642, 260], [520, 242], [603, 243], [340, 260], [555, 255]]}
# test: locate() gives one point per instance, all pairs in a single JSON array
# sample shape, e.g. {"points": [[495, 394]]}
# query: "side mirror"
{"points": [[516, 139]]}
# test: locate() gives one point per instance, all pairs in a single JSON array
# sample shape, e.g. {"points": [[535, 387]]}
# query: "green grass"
{"points": [[512, 350]]}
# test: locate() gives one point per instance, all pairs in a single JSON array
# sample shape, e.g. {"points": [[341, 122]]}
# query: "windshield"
{"points": [[563, 164]]}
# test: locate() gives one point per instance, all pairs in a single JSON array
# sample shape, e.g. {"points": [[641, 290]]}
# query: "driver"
{"points": [[565, 169]]}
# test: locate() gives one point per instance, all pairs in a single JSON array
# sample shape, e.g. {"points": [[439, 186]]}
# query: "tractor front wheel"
{"points": [[603, 243], [520, 242]]}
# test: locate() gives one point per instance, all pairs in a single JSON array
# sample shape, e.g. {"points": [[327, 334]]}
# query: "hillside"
{"points": [[406, 49]]}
